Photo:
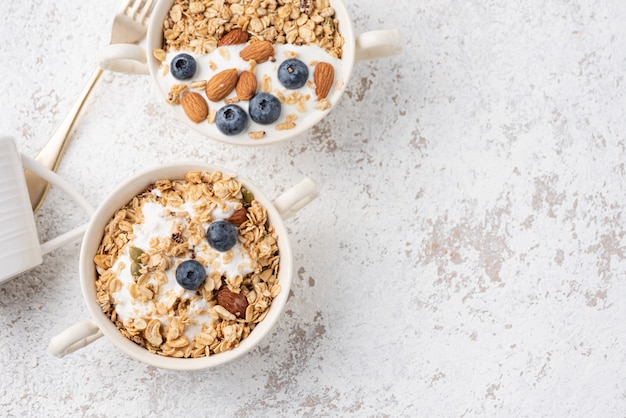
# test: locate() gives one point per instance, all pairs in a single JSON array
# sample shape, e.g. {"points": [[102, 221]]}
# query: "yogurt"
{"points": [[298, 105], [159, 223]]}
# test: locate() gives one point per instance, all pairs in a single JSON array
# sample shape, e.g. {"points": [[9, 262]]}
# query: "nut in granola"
{"points": [[246, 86], [195, 107], [221, 84], [234, 37], [260, 52]]}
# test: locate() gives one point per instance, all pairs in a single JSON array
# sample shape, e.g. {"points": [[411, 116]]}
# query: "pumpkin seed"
{"points": [[248, 197], [135, 254], [135, 269]]}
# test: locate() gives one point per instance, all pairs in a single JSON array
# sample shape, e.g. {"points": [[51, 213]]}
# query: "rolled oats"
{"points": [[256, 134], [198, 84], [212, 116], [176, 92], [285, 125], [266, 84], [159, 54], [231, 100], [224, 53], [322, 104]]}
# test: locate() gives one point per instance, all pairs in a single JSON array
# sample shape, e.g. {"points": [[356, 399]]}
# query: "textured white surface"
{"points": [[466, 257]]}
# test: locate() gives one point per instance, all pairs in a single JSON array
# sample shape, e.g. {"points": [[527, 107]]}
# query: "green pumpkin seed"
{"points": [[135, 269], [247, 195], [135, 254]]}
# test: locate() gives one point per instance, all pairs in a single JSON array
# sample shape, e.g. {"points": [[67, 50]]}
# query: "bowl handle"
{"points": [[297, 197], [75, 337], [124, 58], [378, 44]]}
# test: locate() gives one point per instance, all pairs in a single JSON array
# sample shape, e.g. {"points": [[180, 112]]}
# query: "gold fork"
{"points": [[129, 26]]}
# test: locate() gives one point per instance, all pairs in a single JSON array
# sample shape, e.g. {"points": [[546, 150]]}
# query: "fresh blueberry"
{"points": [[264, 108], [183, 66], [190, 274], [293, 73], [231, 119], [222, 235]]}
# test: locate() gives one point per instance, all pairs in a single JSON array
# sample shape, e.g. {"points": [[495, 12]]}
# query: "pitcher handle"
{"points": [[74, 234]]}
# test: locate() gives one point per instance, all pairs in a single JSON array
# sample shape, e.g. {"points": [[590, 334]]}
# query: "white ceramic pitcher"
{"points": [[20, 249]]}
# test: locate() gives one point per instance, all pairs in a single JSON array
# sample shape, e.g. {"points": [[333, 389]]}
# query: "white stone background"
{"points": [[466, 256]]}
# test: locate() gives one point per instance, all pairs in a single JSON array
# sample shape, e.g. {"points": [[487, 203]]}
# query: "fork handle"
{"points": [[50, 154]]}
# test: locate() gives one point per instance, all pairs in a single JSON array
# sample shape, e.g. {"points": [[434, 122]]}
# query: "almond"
{"points": [[323, 77], [238, 217], [195, 107], [234, 37], [221, 84], [235, 303], [259, 51], [246, 86]]}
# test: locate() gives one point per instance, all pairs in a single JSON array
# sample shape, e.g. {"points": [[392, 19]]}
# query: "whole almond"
{"points": [[323, 77], [195, 107], [235, 303], [246, 86], [234, 37], [259, 51], [221, 84], [238, 217]]}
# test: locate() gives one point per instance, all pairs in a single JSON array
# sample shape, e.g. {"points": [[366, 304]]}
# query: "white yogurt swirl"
{"points": [[160, 222]]}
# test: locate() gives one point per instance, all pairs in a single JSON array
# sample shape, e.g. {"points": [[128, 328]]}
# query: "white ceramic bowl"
{"points": [[137, 60], [83, 333]]}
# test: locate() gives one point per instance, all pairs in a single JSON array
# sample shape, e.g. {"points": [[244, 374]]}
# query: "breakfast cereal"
{"points": [[277, 45], [188, 267]]}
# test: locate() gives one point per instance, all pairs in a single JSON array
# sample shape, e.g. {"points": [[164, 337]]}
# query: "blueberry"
{"points": [[293, 73], [264, 108], [190, 274], [183, 66], [222, 235], [231, 119]]}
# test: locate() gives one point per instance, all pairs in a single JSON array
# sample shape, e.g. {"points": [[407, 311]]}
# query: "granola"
{"points": [[151, 236], [197, 26]]}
